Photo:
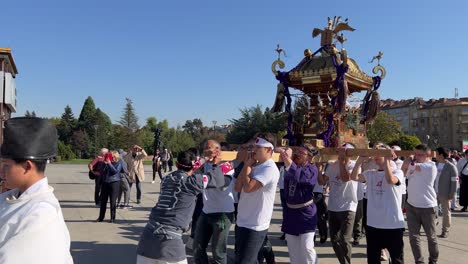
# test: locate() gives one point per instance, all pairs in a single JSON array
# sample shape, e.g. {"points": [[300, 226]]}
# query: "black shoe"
{"points": [[112, 221], [99, 220], [138, 202], [323, 239], [356, 242], [283, 236], [443, 235], [463, 209]]}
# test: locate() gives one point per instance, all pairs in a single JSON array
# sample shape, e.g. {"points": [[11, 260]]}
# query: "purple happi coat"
{"points": [[299, 184]]}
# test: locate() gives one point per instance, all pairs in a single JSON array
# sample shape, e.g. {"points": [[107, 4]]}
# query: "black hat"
{"points": [[29, 138]]}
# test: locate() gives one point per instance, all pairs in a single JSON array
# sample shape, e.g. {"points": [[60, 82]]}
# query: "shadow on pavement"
{"points": [[92, 252]]}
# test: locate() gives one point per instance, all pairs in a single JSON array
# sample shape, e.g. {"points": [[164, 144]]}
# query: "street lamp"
{"points": [[214, 127]]}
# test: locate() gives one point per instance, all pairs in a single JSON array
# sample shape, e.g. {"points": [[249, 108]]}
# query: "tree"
{"points": [[30, 114], [196, 129], [407, 142], [64, 151], [129, 119], [103, 126], [66, 126], [253, 120], [384, 129], [87, 118], [301, 110], [81, 144]]}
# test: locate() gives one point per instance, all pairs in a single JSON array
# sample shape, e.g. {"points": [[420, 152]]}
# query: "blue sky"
{"points": [[180, 60]]}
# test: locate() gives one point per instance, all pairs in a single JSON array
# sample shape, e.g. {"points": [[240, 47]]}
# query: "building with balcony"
{"points": [[437, 122], [8, 74]]}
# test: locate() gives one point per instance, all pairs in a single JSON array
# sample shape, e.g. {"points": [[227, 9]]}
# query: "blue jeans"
{"points": [[214, 225], [138, 187], [248, 244]]}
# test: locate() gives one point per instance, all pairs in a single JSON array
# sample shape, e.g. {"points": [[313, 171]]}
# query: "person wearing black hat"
{"points": [[30, 214]]}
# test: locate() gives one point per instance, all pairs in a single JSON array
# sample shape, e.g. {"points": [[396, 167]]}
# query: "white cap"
{"points": [[104, 151], [347, 145], [395, 147]]}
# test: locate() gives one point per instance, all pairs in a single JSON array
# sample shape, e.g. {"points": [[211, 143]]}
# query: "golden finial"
{"points": [[279, 50]]}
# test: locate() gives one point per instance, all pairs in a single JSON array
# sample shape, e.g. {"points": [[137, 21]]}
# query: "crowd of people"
{"points": [[367, 197]]}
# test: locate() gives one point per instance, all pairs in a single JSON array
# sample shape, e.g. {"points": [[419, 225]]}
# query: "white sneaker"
{"points": [[189, 243], [152, 182]]}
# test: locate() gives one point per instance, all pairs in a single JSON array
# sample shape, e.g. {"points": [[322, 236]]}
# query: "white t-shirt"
{"points": [[256, 208], [360, 191], [440, 166], [421, 192], [398, 163], [384, 200], [343, 195]]}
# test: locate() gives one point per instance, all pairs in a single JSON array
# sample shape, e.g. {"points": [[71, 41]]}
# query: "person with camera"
{"points": [[111, 182], [257, 183], [95, 168], [300, 212], [136, 169]]}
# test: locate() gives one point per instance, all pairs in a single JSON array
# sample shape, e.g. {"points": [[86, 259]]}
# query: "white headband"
{"points": [[263, 143], [347, 146]]}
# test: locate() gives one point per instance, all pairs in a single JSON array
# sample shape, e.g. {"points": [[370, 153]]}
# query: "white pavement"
{"points": [[116, 243]]}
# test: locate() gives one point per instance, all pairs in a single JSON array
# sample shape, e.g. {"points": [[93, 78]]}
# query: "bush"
{"points": [[65, 152], [407, 142]]}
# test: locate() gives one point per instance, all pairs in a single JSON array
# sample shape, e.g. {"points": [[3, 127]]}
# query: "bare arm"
{"points": [[356, 174], [389, 176]]}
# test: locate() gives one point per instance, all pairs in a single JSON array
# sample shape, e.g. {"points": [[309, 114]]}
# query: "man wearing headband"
{"points": [[32, 228], [257, 184], [342, 203], [385, 221]]}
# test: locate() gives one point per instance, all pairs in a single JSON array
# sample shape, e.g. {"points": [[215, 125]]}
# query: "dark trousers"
{"points": [[214, 227], [266, 252], [364, 215], [97, 189], [378, 239], [109, 190], [322, 214], [165, 165], [341, 232], [196, 214], [358, 227], [157, 169], [138, 187], [248, 244]]}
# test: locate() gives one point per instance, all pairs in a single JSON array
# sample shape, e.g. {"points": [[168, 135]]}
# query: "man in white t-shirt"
{"points": [[385, 221], [257, 183], [422, 202], [342, 204]]}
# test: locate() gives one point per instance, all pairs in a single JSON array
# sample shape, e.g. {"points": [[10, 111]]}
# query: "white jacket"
{"points": [[32, 228]]}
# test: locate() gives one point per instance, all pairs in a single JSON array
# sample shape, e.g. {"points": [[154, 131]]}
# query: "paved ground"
{"points": [[116, 243]]}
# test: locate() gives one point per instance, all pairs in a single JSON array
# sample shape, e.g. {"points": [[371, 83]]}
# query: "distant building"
{"points": [[437, 122], [8, 74]]}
